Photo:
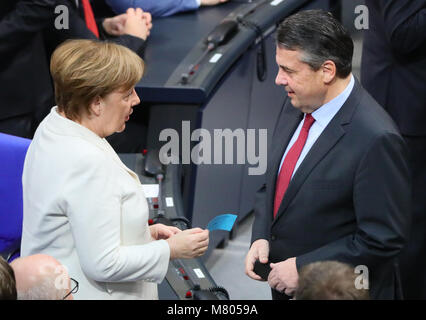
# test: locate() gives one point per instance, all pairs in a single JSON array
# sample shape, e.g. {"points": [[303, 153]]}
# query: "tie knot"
{"points": [[309, 120]]}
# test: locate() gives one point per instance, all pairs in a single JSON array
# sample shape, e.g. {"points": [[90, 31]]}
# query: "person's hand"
{"points": [[211, 2], [259, 250], [138, 23], [189, 243], [160, 231], [284, 276], [135, 22], [146, 16], [115, 25]]}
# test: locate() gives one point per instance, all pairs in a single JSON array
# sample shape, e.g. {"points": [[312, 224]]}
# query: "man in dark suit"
{"points": [[337, 186], [393, 71], [27, 36]]}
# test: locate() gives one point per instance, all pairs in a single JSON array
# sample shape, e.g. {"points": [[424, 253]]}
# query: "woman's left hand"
{"points": [[160, 231]]}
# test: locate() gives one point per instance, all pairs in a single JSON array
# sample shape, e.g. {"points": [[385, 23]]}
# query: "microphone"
{"points": [[159, 177]]}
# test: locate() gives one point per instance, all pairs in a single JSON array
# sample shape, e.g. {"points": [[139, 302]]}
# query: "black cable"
{"points": [[220, 292], [183, 220], [228, 26], [159, 177], [261, 51]]}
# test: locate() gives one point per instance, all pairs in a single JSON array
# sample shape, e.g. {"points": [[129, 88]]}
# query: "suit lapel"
{"points": [[287, 124], [322, 146], [325, 142]]}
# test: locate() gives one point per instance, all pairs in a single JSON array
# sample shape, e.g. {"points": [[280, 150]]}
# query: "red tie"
{"points": [[90, 18], [290, 161]]}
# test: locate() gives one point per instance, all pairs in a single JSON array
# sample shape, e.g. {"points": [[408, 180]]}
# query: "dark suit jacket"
{"points": [[78, 29], [393, 68], [349, 199], [27, 37], [24, 72]]}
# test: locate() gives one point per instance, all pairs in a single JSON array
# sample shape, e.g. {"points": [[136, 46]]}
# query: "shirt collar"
{"points": [[326, 112]]}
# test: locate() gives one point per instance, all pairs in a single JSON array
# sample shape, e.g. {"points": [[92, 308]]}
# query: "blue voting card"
{"points": [[222, 222]]}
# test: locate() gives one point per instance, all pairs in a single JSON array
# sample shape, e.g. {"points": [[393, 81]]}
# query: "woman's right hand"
{"points": [[188, 244]]}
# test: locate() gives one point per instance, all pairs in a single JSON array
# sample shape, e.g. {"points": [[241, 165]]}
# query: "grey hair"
{"points": [[320, 37]]}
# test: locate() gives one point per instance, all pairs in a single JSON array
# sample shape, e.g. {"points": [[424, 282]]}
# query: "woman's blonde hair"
{"points": [[83, 70]]}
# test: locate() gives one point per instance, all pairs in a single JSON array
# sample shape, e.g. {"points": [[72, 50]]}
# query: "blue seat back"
{"points": [[12, 155]]}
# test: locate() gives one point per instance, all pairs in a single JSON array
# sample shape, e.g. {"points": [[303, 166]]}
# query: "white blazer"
{"points": [[85, 208]]}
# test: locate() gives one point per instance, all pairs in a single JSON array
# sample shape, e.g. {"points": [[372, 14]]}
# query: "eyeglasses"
{"points": [[74, 286]]}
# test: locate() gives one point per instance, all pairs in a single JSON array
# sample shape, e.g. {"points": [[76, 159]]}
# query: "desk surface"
{"points": [[173, 37], [177, 41]]}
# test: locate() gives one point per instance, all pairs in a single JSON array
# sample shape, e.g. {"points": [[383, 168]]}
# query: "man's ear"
{"points": [[328, 71], [96, 106]]}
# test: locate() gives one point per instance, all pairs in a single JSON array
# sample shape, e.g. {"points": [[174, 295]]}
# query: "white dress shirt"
{"points": [[323, 115]]}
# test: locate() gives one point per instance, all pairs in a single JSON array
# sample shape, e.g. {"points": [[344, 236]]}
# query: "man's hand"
{"points": [[259, 250], [160, 231], [284, 276], [211, 2]]}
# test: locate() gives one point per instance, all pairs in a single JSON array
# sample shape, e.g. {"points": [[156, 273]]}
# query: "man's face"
{"points": [[304, 86]]}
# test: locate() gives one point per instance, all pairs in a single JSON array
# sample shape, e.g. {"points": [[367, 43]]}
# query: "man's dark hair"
{"points": [[320, 37], [329, 280], [7, 281]]}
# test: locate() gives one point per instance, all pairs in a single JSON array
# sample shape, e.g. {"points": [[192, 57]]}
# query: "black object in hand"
{"points": [[262, 269]]}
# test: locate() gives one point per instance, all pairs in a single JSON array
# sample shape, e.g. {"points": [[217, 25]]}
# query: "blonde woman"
{"points": [[82, 205]]}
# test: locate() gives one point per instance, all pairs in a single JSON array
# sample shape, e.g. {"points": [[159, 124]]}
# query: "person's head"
{"points": [[94, 83], [41, 277], [314, 54], [7, 281], [329, 280]]}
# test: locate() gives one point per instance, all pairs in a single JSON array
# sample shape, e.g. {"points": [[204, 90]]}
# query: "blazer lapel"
{"points": [[117, 159], [65, 126], [325, 142]]}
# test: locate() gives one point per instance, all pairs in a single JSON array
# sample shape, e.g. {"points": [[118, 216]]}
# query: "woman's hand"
{"points": [[188, 244], [160, 231]]}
